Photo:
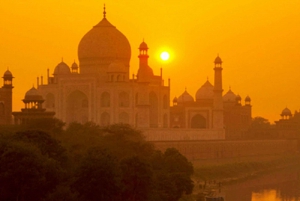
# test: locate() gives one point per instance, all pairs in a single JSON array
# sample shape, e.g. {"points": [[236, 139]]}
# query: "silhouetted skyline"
{"points": [[258, 42]]}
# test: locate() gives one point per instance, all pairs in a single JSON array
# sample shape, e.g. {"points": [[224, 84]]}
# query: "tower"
{"points": [[218, 121], [145, 73], [6, 98]]}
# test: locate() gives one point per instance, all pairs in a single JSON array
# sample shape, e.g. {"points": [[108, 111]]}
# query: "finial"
{"points": [[207, 78], [185, 88], [104, 12], [229, 87], [62, 59]]}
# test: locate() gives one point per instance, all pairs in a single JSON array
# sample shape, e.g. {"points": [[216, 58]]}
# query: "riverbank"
{"points": [[228, 172]]}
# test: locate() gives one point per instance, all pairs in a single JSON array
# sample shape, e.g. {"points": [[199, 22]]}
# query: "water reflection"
{"points": [[266, 195], [246, 191]]}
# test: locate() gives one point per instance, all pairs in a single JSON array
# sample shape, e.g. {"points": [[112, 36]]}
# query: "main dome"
{"points": [[102, 45]]}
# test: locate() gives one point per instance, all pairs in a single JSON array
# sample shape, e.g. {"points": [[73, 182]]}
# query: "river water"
{"points": [[279, 186]]}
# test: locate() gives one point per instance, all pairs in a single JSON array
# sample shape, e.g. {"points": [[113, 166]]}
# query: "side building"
{"points": [[33, 109], [201, 113]]}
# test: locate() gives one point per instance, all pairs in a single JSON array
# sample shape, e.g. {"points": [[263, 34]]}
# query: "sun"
{"points": [[165, 56]]}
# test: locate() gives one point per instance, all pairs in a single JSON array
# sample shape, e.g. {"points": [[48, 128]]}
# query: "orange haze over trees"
{"points": [[258, 41]]}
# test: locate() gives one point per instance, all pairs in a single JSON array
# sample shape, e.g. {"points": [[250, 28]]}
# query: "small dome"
{"points": [[218, 60], [238, 98], [247, 99], [185, 97], [175, 100], [229, 96], [117, 67], [74, 65], [62, 69], [33, 95], [7, 74], [143, 45], [205, 91], [286, 112]]}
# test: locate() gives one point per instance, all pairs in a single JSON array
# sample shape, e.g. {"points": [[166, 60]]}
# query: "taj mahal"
{"points": [[100, 89]]}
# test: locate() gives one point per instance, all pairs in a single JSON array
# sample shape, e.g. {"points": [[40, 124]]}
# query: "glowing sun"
{"points": [[165, 56]]}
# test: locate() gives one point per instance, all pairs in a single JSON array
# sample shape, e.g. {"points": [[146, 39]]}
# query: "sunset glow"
{"points": [[258, 42], [164, 56]]}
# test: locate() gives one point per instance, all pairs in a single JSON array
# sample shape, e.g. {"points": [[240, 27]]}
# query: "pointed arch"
{"points": [[198, 121], [153, 113], [165, 121], [124, 118], [105, 119], [165, 102], [123, 99], [85, 103], [77, 107], [136, 99], [105, 99], [50, 101]]}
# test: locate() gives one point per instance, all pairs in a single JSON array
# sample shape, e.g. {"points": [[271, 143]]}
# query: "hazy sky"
{"points": [[258, 41]]}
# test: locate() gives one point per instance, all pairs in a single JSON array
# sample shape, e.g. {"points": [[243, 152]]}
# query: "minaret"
{"points": [[218, 121], [145, 73], [6, 98]]}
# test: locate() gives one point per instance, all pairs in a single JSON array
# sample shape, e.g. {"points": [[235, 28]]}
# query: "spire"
{"points": [[104, 12]]}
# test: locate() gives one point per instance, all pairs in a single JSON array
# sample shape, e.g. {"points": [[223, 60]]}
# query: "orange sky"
{"points": [[258, 41]]}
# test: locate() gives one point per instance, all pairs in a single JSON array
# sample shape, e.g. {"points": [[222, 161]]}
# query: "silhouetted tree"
{"points": [[47, 144], [97, 176], [125, 141], [136, 179], [173, 175], [25, 173], [52, 125], [261, 128]]}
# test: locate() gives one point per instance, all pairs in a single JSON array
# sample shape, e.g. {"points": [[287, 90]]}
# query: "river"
{"points": [[279, 186]]}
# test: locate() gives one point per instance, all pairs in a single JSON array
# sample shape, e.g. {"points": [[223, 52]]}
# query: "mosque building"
{"points": [[100, 89], [202, 111]]}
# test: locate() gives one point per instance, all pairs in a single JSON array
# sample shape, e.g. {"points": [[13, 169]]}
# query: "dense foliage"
{"points": [[43, 162]]}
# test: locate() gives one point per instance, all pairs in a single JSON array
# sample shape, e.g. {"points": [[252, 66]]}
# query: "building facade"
{"points": [[99, 89]]}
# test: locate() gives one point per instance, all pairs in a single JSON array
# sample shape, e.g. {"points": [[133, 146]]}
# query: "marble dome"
{"points": [[33, 95], [102, 45], [62, 69], [229, 96], [185, 97], [205, 91]]}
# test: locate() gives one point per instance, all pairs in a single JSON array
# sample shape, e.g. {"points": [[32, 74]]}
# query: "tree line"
{"points": [[41, 161]]}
